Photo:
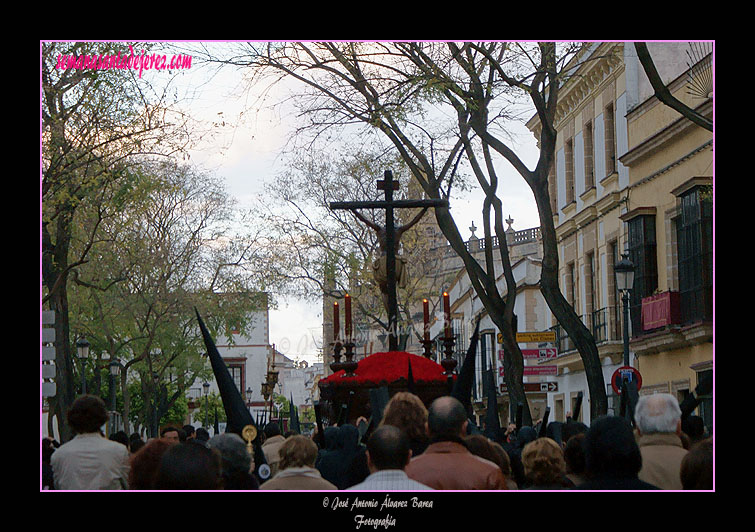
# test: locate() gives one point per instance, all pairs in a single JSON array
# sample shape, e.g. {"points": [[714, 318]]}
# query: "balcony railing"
{"points": [[604, 324]]}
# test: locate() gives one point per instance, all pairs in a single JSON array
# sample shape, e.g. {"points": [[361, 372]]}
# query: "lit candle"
{"points": [[347, 313], [336, 324], [446, 315], [426, 311]]}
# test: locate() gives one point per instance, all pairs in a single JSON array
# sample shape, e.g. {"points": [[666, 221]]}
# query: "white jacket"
{"points": [[90, 462]]}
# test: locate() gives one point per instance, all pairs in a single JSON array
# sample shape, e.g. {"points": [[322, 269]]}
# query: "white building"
{"points": [[525, 249], [248, 357]]}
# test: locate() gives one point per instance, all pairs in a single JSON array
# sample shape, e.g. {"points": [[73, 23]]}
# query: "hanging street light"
{"points": [[206, 391], [115, 370], [82, 349], [624, 271]]}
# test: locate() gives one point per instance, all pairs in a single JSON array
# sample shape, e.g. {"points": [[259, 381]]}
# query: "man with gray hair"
{"points": [[659, 426], [236, 462]]}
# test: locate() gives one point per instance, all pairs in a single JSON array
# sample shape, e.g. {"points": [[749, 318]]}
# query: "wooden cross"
{"points": [[389, 185]]}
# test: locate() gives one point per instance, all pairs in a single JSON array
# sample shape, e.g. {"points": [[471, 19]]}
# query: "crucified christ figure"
{"points": [[379, 266]]}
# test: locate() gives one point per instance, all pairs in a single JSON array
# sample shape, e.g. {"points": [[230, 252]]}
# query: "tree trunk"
{"points": [[55, 275], [513, 362], [563, 311]]}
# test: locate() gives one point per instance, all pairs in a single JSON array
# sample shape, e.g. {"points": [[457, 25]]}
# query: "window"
{"points": [[614, 298], [706, 404], [483, 362], [570, 290], [610, 140], [569, 155], [590, 290], [695, 254], [642, 253], [589, 147], [236, 372]]}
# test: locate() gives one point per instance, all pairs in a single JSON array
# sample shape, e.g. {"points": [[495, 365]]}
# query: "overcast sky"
{"points": [[245, 156]]}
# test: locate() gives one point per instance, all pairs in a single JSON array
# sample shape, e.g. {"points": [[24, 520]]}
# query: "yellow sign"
{"points": [[545, 336]]}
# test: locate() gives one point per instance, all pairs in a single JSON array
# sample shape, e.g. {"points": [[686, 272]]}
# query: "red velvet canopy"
{"points": [[389, 369]]}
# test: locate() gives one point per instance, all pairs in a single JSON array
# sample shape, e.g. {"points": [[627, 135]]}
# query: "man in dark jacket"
{"points": [[447, 464], [612, 457]]}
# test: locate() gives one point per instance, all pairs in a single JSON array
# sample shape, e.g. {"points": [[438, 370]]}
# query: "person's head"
{"points": [[524, 436], [483, 447], [236, 459], [697, 466], [202, 435], [554, 431], [145, 462], [136, 445], [189, 431], [186, 466], [171, 434], [446, 419], [407, 412], [330, 435], [120, 437], [388, 448], [694, 427], [570, 429], [543, 462], [611, 448], [574, 454], [658, 413], [297, 451], [87, 414], [47, 449], [272, 429]]}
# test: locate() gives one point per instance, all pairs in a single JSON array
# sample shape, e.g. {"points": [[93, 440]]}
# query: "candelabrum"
{"points": [[449, 362], [336, 365], [350, 365], [428, 348]]}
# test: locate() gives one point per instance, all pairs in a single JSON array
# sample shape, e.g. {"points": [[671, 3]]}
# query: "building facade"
{"points": [[631, 175]]}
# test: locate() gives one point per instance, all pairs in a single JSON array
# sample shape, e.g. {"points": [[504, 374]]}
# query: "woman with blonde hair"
{"points": [[544, 465], [405, 411]]}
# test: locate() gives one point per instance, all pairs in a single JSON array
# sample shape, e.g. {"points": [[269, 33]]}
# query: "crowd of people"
{"points": [[414, 447]]}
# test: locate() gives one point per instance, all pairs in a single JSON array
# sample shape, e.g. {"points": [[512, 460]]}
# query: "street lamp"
{"points": [[115, 370], [206, 391], [82, 348], [624, 271], [249, 398]]}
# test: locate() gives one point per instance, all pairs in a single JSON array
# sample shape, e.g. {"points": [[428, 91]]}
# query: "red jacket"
{"points": [[449, 465]]}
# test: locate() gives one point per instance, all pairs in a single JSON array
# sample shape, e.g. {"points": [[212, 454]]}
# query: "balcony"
{"points": [[660, 310], [604, 324]]}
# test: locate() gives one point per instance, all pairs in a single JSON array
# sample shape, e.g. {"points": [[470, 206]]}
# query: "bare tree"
{"points": [[401, 90]]}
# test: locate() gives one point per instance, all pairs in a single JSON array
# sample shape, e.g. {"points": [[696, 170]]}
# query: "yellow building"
{"points": [[629, 174], [669, 220]]}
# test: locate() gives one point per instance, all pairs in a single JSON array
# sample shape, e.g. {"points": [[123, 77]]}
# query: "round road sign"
{"points": [[630, 373]]}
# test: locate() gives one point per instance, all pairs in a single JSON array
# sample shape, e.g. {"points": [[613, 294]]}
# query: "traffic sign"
{"points": [[535, 387], [625, 371], [538, 371], [543, 336], [543, 353]]}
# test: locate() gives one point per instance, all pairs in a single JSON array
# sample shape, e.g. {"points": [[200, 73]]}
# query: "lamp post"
{"points": [[115, 370], [82, 348], [624, 271], [206, 391]]}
